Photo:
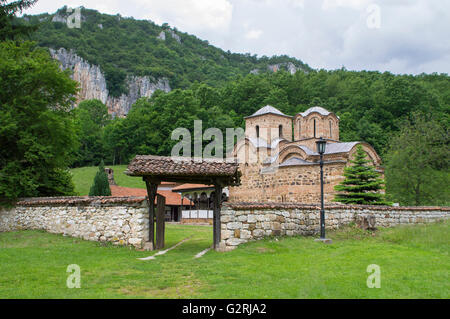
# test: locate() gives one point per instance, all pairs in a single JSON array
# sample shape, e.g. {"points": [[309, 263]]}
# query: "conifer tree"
{"points": [[8, 11], [101, 184], [361, 184]]}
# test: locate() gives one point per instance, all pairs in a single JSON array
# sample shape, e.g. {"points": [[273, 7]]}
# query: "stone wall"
{"points": [[295, 184], [242, 222], [269, 127], [123, 221], [304, 126]]}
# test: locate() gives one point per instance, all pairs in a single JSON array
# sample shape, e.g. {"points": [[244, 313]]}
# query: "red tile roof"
{"points": [[149, 165], [172, 199], [191, 186]]}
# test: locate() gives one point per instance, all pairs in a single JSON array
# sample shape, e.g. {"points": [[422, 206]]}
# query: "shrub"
{"points": [[101, 184]]}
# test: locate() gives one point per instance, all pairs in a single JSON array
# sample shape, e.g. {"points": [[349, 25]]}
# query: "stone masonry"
{"points": [[123, 221], [279, 161], [242, 222]]}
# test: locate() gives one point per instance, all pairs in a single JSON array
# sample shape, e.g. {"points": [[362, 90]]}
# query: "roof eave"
{"points": [[271, 113]]}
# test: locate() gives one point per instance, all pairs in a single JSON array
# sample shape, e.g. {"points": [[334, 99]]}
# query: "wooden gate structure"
{"points": [[157, 169]]}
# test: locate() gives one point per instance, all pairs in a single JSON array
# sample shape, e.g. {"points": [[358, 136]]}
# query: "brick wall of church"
{"points": [[268, 126], [304, 127], [298, 184]]}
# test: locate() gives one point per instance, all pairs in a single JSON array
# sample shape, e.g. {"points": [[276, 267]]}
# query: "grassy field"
{"points": [[84, 177], [414, 263]]}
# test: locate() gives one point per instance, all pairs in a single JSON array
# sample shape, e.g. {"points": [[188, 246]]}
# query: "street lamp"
{"points": [[321, 146]]}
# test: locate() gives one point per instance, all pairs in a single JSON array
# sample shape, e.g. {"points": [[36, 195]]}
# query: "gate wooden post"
{"points": [[216, 216], [152, 189], [160, 221]]}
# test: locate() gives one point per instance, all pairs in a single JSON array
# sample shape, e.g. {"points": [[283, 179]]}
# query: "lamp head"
{"points": [[321, 146]]}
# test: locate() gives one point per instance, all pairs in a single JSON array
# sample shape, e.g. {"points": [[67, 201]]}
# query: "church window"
{"points": [[280, 131], [315, 128], [331, 126], [257, 131]]}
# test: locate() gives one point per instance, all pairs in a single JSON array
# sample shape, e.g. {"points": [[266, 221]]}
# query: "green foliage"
{"points": [[367, 111], [418, 161], [91, 116], [100, 187], [125, 46], [83, 177], [37, 133], [9, 28], [361, 184], [216, 87]]}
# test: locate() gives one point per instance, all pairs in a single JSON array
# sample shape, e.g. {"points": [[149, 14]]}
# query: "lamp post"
{"points": [[321, 146]]}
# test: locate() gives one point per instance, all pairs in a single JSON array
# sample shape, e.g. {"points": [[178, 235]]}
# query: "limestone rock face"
{"points": [[290, 67], [93, 83], [162, 36], [273, 68]]}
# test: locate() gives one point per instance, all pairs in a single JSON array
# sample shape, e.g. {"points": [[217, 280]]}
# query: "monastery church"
{"points": [[278, 158]]}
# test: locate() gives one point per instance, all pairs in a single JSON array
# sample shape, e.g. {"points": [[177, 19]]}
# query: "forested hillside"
{"points": [[124, 46], [371, 105], [405, 117], [219, 89]]}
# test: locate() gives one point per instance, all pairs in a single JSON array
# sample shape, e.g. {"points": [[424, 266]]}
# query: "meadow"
{"points": [[83, 178], [414, 263]]}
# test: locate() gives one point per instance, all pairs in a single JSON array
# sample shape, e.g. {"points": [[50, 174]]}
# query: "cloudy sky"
{"points": [[400, 36]]}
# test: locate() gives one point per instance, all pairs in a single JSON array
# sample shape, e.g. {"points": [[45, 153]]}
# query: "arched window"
{"points": [[280, 131], [331, 130], [257, 131], [315, 127], [299, 129]]}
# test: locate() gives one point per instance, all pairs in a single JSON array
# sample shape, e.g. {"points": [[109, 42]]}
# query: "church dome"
{"points": [[268, 109], [317, 109]]}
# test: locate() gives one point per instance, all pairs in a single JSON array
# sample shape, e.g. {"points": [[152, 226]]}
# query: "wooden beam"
{"points": [[160, 221], [216, 217], [208, 180], [152, 189]]}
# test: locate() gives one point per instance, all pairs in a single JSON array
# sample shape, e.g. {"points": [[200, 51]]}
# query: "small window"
{"points": [[299, 129], [280, 131], [315, 128], [331, 126], [257, 131]]}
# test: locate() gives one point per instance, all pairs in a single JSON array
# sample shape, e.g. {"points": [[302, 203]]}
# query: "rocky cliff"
{"points": [[93, 83], [287, 66]]}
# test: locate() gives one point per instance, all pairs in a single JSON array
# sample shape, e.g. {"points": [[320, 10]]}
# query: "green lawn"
{"points": [[414, 263], [84, 177]]}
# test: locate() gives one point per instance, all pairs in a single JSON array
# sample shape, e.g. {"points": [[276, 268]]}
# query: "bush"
{"points": [[101, 184]]}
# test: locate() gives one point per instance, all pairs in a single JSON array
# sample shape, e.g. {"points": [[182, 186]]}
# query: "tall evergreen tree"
{"points": [[361, 184], [101, 184], [9, 30]]}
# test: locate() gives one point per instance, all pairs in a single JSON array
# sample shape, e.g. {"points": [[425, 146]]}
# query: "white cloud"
{"points": [[253, 34], [354, 4], [189, 15], [412, 38]]}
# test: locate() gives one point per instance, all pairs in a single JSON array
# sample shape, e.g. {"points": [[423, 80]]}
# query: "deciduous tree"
{"points": [[418, 161], [37, 134]]}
